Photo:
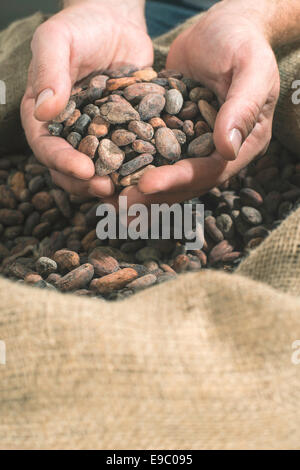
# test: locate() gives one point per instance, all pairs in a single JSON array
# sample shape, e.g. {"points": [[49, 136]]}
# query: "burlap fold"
{"points": [[204, 361]]}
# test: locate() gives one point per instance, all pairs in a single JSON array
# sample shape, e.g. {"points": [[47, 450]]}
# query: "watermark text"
{"points": [[2, 353]]}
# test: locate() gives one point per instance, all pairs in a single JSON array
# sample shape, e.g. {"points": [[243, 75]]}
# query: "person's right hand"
{"points": [[93, 35]]}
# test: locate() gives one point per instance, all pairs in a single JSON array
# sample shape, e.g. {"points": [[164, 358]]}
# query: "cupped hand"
{"points": [[228, 52], [68, 47]]}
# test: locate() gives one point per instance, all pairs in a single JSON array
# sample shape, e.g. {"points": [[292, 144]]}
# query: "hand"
{"points": [[90, 36], [227, 51]]}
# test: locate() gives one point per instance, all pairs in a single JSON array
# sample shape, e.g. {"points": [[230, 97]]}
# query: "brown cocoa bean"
{"points": [[174, 101], [77, 279], [181, 264], [11, 217], [122, 137], [142, 282], [114, 281], [89, 146], [99, 127], [134, 178], [139, 90], [135, 164], [67, 112], [42, 201], [200, 93], [66, 260], [142, 146], [208, 112], [219, 251], [103, 262], [145, 75], [7, 197], [167, 144], [120, 83], [201, 127], [173, 122], [119, 112], [156, 123], [151, 106], [202, 146], [142, 129], [110, 158]]}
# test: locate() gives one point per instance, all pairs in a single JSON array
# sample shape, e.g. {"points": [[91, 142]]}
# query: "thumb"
{"points": [[247, 101], [50, 70]]}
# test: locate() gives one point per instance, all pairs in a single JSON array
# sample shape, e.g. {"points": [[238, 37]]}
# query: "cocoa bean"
{"points": [[77, 279], [99, 127], [219, 251], [142, 146], [188, 111], [114, 281], [103, 263], [82, 124], [202, 146], [67, 112], [74, 139], [135, 164], [251, 215], [110, 159], [167, 144], [146, 75], [89, 146], [134, 178], [66, 260], [142, 129], [11, 217], [208, 112], [119, 112], [174, 101], [120, 83], [122, 137], [45, 266], [142, 282], [151, 106], [139, 90]]}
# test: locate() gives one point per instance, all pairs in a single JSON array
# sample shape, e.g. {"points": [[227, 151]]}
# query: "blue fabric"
{"points": [[162, 16]]}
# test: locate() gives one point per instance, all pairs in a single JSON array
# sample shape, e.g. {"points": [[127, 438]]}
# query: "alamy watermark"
{"points": [[2, 92], [176, 221], [296, 354], [296, 94], [2, 353]]}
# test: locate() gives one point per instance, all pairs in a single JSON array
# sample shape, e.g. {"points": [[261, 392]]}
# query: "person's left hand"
{"points": [[230, 55]]}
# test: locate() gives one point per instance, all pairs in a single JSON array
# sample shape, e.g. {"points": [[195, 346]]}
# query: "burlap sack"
{"points": [[203, 362]]}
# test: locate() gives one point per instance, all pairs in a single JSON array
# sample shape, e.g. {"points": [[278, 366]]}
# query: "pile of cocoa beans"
{"points": [[48, 237], [131, 120]]}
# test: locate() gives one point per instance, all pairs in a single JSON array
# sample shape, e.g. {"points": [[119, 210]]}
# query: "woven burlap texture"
{"points": [[202, 362]]}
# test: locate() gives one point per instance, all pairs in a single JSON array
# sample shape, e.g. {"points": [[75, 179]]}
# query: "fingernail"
{"points": [[44, 96], [236, 140]]}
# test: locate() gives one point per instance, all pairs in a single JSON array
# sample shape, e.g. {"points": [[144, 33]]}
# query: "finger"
{"points": [[177, 57], [53, 152], [186, 175], [135, 196], [199, 175], [96, 187], [50, 70], [251, 97]]}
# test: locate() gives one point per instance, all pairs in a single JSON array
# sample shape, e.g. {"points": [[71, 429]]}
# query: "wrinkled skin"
{"points": [[66, 48]]}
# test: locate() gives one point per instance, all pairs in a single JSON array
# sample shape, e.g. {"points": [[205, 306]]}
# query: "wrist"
{"points": [[134, 10], [277, 20]]}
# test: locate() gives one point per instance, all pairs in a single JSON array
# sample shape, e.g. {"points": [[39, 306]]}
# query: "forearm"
{"points": [[133, 9], [278, 19]]}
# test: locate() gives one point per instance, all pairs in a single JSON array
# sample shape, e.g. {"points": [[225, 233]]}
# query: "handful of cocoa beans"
{"points": [[131, 120]]}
